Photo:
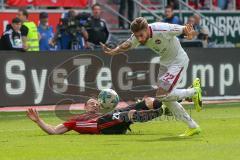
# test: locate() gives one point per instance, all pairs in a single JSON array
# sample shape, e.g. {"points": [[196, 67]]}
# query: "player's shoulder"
{"points": [[159, 26]]}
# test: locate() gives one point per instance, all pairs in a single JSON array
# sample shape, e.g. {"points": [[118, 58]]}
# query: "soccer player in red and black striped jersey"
{"points": [[117, 121]]}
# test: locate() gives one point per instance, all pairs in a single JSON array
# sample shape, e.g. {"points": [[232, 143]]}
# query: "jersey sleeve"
{"points": [[175, 29], [70, 124], [169, 30], [133, 41]]}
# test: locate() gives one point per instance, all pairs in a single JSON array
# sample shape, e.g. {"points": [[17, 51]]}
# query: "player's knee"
{"points": [[161, 92]]}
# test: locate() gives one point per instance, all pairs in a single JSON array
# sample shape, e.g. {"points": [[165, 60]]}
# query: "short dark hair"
{"points": [[96, 5], [169, 7], [24, 11], [16, 20]]}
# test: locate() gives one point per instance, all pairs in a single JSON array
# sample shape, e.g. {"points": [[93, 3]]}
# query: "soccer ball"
{"points": [[108, 99]]}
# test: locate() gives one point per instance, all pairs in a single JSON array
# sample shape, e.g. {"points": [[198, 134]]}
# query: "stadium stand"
{"points": [[210, 11]]}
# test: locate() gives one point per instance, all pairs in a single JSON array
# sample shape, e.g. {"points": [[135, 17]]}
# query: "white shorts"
{"points": [[169, 77]]}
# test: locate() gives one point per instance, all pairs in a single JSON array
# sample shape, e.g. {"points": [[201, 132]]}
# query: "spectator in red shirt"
{"points": [[93, 122]]}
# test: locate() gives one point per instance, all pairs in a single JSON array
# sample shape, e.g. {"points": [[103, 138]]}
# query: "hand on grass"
{"points": [[33, 115]]}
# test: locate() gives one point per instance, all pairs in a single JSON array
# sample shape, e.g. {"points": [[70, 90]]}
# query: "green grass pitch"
{"points": [[21, 139]]}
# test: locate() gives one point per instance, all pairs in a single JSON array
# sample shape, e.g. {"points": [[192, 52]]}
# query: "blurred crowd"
{"points": [[204, 4], [196, 4], [202, 33], [75, 31], [216, 4], [78, 31]]}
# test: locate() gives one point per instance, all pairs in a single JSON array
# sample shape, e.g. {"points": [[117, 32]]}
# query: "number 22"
{"points": [[168, 77]]}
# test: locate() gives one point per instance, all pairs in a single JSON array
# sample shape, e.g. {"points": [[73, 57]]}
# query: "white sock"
{"points": [[180, 113], [179, 94]]}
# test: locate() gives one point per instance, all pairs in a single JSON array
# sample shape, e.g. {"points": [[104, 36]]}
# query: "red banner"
{"points": [[20, 3], [50, 2], [6, 18], [53, 3]]}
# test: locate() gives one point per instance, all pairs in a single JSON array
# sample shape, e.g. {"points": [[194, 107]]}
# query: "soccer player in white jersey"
{"points": [[161, 38]]}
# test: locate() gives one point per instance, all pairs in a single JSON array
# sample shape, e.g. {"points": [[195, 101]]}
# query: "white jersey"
{"points": [[164, 42]]}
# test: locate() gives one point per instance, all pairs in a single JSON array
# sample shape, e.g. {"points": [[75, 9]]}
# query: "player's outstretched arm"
{"points": [[34, 116], [125, 46]]}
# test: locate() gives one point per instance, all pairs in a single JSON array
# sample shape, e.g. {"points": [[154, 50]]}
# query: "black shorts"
{"points": [[108, 125]]}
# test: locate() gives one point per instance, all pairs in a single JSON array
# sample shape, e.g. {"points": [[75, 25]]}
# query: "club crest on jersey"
{"points": [[157, 41]]}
